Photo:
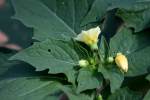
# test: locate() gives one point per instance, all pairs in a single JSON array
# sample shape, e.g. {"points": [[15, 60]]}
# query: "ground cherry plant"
{"points": [[74, 49]]}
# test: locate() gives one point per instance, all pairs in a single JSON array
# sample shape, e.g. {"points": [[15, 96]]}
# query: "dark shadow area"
{"points": [[138, 83], [111, 25]]}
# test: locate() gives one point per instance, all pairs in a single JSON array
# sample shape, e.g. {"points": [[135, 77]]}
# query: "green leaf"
{"points": [[76, 11], [134, 5], [148, 77], [71, 75], [125, 94], [135, 46], [104, 49], [147, 96], [10, 69], [4, 57], [138, 20], [113, 74], [19, 81], [45, 22], [87, 79], [56, 55], [54, 19], [73, 96], [26, 88], [97, 11], [100, 8]]}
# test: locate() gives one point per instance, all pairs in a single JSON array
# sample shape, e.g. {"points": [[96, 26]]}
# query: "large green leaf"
{"points": [[56, 55], [54, 19], [19, 81], [71, 12], [111, 73], [100, 8], [88, 80], [136, 47], [125, 94], [97, 11], [138, 20], [26, 88], [45, 22], [134, 5], [135, 14]]}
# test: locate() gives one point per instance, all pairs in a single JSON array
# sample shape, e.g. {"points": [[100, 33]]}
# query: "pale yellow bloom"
{"points": [[89, 37], [83, 63], [122, 62]]}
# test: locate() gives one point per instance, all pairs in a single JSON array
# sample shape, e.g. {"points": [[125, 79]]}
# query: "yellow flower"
{"points": [[89, 37], [83, 63], [122, 62]]}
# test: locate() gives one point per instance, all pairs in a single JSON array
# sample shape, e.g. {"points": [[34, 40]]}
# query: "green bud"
{"points": [[83, 63], [110, 59], [94, 46], [92, 61], [99, 97]]}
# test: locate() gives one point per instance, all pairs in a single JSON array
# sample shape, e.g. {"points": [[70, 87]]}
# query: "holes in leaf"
{"points": [[31, 43], [97, 18], [49, 50]]}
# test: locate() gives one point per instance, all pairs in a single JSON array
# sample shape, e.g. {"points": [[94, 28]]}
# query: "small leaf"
{"points": [[147, 96], [71, 75], [87, 79], [148, 77], [73, 96], [104, 49], [111, 73]]}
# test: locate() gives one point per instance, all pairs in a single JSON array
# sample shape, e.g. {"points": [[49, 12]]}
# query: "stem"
{"points": [[100, 89]]}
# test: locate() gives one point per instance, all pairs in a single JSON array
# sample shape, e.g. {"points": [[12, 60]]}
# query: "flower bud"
{"points": [[83, 63], [99, 97], [122, 62], [110, 59]]}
